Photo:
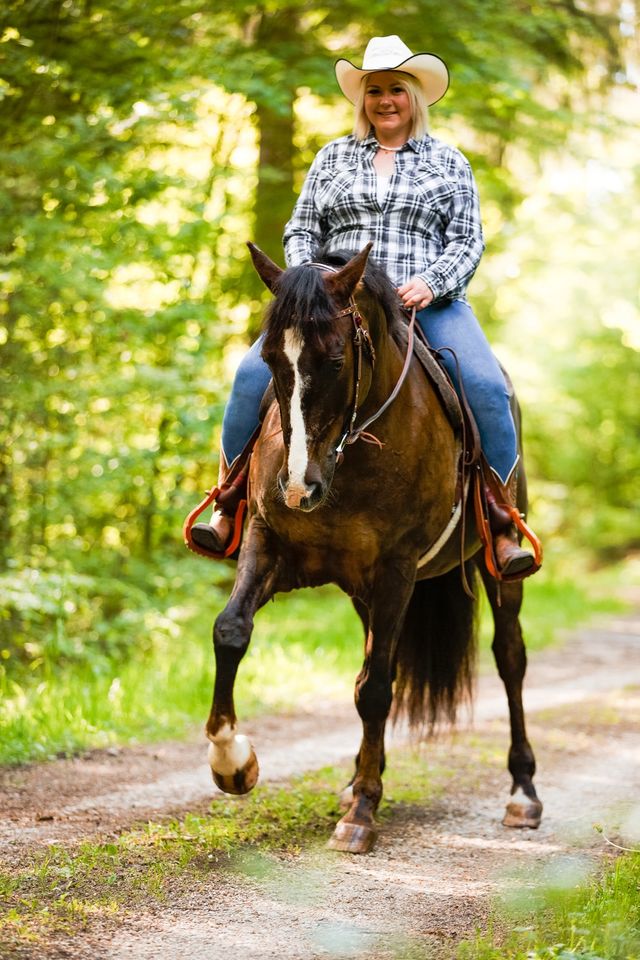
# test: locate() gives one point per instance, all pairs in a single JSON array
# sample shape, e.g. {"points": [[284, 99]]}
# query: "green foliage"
{"points": [[82, 673], [141, 145], [79, 675], [64, 889], [595, 920], [557, 600], [569, 285]]}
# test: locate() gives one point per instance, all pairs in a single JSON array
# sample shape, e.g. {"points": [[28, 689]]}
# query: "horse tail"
{"points": [[435, 657]]}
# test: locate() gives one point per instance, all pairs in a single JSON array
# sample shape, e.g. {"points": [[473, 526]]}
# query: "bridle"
{"points": [[363, 344]]}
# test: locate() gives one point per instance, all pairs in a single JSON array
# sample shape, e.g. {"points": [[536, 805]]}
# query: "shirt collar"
{"points": [[370, 142]]}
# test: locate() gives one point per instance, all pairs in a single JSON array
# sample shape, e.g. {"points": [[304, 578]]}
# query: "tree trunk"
{"points": [[277, 34], [274, 194]]}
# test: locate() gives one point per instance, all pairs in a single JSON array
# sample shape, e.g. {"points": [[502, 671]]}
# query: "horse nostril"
{"points": [[314, 495], [315, 492], [313, 476]]}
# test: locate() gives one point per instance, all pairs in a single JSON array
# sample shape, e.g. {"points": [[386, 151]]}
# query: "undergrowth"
{"points": [[142, 669], [64, 889], [597, 919]]}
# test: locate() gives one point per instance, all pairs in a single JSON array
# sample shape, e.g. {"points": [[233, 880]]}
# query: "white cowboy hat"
{"points": [[390, 53]]}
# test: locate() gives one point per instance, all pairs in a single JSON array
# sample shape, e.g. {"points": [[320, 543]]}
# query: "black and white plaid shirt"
{"points": [[428, 224]]}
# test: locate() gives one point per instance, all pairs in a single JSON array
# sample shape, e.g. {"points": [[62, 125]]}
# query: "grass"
{"points": [[556, 913], [64, 891], [306, 646], [594, 920], [556, 601]]}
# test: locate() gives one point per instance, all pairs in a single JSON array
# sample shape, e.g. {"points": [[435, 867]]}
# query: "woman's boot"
{"points": [[216, 537], [512, 562]]}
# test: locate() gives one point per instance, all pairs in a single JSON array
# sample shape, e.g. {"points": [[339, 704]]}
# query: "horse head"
{"points": [[319, 349]]}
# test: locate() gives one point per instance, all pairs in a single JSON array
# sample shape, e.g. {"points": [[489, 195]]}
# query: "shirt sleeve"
{"points": [[304, 232], [449, 275]]}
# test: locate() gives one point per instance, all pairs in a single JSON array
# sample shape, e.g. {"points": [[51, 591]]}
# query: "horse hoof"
{"points": [[346, 797], [523, 811], [234, 771], [352, 838]]}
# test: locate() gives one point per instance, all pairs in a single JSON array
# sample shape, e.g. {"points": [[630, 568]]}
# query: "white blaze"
{"points": [[297, 464]]}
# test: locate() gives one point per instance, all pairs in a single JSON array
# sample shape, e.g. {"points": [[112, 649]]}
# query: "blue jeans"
{"points": [[447, 324], [453, 324]]}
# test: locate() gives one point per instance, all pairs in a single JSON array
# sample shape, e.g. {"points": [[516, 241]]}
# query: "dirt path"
{"points": [[431, 877]]}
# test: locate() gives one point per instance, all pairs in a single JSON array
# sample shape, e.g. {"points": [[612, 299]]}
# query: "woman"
{"points": [[390, 182]]}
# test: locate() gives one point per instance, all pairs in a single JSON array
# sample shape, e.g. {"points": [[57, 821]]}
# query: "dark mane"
{"points": [[302, 301]]}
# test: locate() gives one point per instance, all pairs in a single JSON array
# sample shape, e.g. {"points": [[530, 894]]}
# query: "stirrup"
{"points": [[230, 495], [486, 534], [238, 522]]}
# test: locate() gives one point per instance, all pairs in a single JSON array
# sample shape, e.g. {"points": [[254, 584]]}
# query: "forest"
{"points": [[141, 146]]}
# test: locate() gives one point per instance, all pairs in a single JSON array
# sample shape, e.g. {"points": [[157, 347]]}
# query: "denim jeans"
{"points": [[453, 324], [447, 324]]}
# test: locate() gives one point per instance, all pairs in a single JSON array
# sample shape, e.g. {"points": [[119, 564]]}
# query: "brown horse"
{"points": [[384, 525]]}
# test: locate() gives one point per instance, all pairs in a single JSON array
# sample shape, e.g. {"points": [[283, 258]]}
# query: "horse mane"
{"points": [[302, 302]]}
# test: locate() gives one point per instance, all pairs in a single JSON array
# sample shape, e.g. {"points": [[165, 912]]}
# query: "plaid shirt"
{"points": [[428, 224]]}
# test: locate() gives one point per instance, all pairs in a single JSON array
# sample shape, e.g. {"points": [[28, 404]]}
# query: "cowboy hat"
{"points": [[390, 53]]}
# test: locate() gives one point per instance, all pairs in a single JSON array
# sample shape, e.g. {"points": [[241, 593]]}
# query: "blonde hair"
{"points": [[419, 111]]}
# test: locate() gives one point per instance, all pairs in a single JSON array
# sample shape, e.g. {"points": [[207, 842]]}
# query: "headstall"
{"points": [[363, 343]]}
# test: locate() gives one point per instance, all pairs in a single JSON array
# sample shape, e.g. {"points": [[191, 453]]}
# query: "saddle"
{"points": [[457, 411], [473, 473]]}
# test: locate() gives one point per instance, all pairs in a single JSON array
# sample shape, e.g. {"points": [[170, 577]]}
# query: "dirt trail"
{"points": [[430, 879]]}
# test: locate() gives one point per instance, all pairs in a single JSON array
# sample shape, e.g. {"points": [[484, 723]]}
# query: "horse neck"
{"points": [[389, 359]]}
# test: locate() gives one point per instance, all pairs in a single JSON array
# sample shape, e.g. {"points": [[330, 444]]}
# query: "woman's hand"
{"points": [[415, 293]]}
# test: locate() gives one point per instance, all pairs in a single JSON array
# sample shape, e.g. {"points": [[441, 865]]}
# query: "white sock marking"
{"points": [[229, 751], [297, 464], [521, 798]]}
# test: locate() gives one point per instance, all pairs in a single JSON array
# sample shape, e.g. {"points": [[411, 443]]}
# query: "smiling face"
{"points": [[387, 106]]}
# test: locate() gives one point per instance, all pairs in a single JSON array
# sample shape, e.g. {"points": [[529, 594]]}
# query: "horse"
{"points": [[330, 502]]}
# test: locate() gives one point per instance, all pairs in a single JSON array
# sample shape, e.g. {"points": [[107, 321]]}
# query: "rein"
{"points": [[361, 340]]}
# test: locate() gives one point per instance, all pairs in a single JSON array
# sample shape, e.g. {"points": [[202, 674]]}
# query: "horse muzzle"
{"points": [[305, 493]]}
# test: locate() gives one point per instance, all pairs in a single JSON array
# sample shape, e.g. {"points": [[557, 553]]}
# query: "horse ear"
{"points": [[268, 271], [343, 283]]}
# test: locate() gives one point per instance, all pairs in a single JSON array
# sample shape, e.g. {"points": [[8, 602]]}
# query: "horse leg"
{"points": [[524, 809], [355, 832], [346, 795], [233, 762]]}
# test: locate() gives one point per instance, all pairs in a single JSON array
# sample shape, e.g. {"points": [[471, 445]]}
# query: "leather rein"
{"points": [[363, 343]]}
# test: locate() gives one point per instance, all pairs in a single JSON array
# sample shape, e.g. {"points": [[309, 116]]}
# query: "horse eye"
{"points": [[337, 363]]}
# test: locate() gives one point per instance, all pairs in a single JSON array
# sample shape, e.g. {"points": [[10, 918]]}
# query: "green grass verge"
{"points": [[555, 603], [551, 916], [306, 646], [65, 890], [597, 920]]}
